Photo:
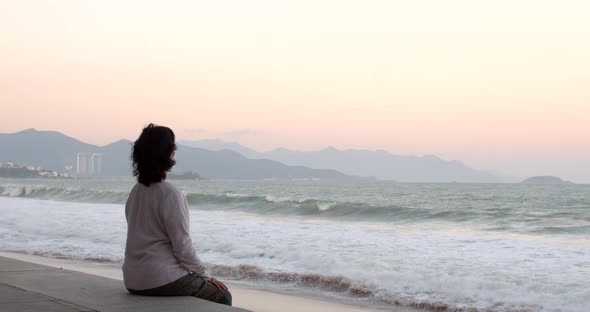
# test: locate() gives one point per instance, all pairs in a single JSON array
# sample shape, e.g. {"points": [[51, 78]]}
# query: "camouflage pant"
{"points": [[189, 285]]}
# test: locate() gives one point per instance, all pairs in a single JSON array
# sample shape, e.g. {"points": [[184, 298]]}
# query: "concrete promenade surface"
{"points": [[28, 287]]}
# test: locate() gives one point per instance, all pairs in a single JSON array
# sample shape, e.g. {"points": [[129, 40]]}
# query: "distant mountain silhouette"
{"points": [[48, 149], [545, 180], [380, 163], [227, 164], [218, 145], [116, 158], [53, 150]]}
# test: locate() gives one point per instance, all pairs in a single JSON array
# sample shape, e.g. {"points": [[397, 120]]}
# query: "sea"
{"points": [[440, 247]]}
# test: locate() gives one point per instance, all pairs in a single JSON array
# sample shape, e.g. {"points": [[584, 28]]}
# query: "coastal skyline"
{"points": [[501, 86]]}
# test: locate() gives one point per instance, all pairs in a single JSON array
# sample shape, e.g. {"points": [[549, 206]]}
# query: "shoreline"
{"points": [[244, 296]]}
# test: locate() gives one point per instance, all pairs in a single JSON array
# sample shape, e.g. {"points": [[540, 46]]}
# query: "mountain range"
{"points": [[56, 151], [219, 159], [380, 163]]}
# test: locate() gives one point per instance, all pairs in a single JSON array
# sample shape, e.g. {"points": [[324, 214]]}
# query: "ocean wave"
{"points": [[500, 219], [583, 229], [260, 204], [269, 204], [387, 264], [64, 194], [333, 284], [356, 289]]}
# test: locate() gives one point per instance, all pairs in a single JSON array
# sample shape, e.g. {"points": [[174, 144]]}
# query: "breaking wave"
{"points": [[329, 284], [502, 219], [267, 204], [350, 288], [64, 194]]}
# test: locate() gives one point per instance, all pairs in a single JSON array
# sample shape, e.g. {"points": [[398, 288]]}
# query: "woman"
{"points": [[159, 256]]}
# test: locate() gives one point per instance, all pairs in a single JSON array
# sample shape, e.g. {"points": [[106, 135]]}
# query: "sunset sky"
{"points": [[500, 85]]}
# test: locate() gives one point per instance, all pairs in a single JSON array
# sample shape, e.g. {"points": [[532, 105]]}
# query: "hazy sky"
{"points": [[501, 85]]}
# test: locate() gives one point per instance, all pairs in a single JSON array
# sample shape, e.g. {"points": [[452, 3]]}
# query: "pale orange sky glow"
{"points": [[501, 85]]}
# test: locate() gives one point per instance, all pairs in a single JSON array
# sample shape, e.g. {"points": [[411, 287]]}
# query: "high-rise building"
{"points": [[89, 165], [96, 165], [83, 164]]}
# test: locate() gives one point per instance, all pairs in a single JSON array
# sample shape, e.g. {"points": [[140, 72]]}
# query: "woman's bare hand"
{"points": [[218, 284]]}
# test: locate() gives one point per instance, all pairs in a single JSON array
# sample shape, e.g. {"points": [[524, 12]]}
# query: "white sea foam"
{"points": [[399, 265], [277, 199], [237, 195], [326, 206], [540, 211]]}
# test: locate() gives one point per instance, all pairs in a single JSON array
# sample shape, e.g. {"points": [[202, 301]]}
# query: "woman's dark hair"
{"points": [[151, 154]]}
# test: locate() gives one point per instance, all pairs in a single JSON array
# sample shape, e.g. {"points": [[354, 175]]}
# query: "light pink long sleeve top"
{"points": [[159, 249]]}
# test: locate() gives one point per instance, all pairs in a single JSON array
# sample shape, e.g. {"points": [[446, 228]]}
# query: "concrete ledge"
{"points": [[30, 287]]}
